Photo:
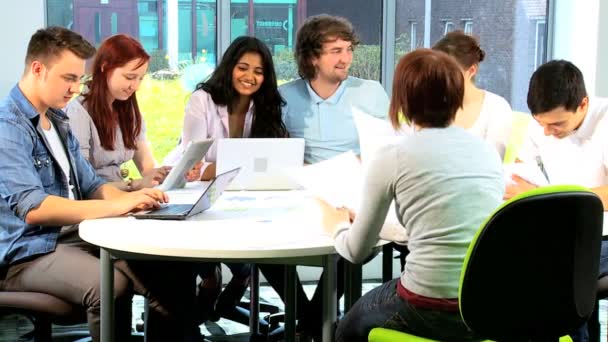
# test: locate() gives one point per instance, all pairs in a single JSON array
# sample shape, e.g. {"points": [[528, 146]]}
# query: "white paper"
{"points": [[337, 180], [375, 134], [369, 125], [529, 172], [605, 230]]}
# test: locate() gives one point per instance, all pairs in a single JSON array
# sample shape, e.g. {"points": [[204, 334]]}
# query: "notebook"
{"points": [[264, 162], [194, 153], [182, 211]]}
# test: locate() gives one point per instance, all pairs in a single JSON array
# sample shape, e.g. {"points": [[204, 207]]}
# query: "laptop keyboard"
{"points": [[173, 209]]}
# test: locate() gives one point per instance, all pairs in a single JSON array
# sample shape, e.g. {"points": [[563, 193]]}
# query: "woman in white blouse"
{"points": [[485, 114], [239, 100]]}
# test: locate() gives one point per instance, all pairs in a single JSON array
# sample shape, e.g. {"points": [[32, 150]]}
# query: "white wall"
{"points": [[19, 21], [578, 38]]}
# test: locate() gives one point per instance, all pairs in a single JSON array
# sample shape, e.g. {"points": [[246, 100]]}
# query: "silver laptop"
{"points": [[194, 153], [182, 211], [264, 162]]}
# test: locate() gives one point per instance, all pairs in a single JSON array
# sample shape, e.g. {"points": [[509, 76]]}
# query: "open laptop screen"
{"points": [[263, 162]]}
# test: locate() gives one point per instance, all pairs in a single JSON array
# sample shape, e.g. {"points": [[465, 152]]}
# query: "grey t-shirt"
{"points": [[105, 162], [445, 183]]}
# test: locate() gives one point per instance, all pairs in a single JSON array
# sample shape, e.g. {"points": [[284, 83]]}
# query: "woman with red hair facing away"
{"points": [[444, 182], [107, 122]]}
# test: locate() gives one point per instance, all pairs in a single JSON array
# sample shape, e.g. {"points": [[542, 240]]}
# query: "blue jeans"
{"points": [[382, 307]]}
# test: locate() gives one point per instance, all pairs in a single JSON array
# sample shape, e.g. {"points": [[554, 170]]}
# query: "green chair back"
{"points": [[531, 270]]}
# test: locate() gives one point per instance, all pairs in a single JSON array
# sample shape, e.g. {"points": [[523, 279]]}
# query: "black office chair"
{"points": [[531, 271], [594, 321], [43, 310], [240, 312]]}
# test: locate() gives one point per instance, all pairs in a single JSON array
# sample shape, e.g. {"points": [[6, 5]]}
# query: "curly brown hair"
{"points": [[315, 31]]}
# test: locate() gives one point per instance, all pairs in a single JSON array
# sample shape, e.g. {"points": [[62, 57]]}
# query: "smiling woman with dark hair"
{"points": [[239, 100], [444, 182]]}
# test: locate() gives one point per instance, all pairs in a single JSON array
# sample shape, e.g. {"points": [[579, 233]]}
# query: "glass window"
{"points": [[163, 95], [540, 43], [275, 22], [468, 26], [413, 35], [514, 48], [146, 20], [448, 26], [409, 27]]}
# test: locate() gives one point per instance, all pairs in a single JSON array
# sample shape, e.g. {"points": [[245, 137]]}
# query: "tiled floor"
{"points": [[13, 326]]}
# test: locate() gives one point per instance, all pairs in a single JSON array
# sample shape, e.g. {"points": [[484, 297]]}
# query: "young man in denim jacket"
{"points": [[47, 188]]}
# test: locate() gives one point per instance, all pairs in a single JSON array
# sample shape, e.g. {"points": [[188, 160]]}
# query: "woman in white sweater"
{"points": [[445, 182], [483, 113]]}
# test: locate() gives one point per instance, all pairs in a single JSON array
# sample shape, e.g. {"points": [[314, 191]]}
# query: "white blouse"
{"points": [[204, 119]]}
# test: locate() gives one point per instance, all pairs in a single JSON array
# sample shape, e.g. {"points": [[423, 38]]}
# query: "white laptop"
{"points": [[264, 162]]}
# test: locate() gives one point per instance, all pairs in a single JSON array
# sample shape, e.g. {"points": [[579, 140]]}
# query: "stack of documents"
{"points": [[339, 180]]}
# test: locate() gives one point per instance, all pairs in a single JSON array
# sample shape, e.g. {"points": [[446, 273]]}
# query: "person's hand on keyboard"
{"points": [[143, 199]]}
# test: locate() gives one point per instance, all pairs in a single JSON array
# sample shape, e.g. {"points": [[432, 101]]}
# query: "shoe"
{"points": [[303, 336], [208, 293], [312, 332]]}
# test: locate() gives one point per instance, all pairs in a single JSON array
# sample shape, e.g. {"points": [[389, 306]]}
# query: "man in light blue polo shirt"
{"points": [[319, 109], [319, 105]]}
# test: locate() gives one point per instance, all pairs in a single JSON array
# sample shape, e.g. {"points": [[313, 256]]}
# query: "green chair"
{"points": [[530, 273]]}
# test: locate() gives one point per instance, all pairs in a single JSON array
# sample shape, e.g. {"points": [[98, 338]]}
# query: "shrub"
{"points": [[162, 105], [158, 60], [366, 62], [285, 65], [402, 46]]}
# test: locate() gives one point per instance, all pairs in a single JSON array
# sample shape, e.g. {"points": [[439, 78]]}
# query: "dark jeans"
{"points": [[210, 295], [382, 307], [171, 292]]}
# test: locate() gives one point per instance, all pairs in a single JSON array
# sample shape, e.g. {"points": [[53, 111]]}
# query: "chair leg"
{"points": [[43, 331], [593, 325], [387, 262]]}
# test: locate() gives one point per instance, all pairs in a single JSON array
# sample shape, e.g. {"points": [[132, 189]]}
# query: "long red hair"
{"points": [[114, 52]]}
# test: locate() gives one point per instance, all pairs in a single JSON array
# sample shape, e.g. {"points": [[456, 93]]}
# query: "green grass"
{"points": [[162, 105]]}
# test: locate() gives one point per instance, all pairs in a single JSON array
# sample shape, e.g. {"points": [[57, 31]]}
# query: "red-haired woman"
{"points": [[106, 119], [444, 182], [108, 124]]}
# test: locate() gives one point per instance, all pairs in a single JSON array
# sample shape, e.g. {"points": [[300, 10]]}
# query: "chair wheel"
{"points": [[139, 326]]}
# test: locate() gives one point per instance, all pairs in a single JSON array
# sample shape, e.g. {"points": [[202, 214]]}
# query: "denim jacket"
{"points": [[29, 173]]}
